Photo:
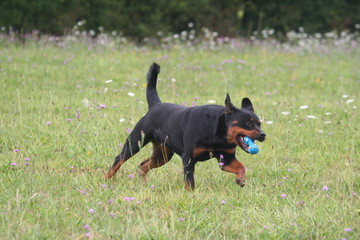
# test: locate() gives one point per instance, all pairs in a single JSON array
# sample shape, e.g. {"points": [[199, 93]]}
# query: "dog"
{"points": [[194, 133]]}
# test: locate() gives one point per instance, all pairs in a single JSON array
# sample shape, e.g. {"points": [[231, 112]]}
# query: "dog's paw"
{"points": [[141, 172], [240, 181]]}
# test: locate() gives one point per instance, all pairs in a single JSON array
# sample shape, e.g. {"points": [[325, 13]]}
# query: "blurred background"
{"points": [[137, 20]]}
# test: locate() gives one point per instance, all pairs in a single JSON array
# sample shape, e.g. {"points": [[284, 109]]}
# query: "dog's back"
{"points": [[180, 126]]}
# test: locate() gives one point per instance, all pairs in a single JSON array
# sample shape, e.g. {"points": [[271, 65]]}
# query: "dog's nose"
{"points": [[262, 136]]}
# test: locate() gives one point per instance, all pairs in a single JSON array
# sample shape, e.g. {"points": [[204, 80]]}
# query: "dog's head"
{"points": [[242, 122]]}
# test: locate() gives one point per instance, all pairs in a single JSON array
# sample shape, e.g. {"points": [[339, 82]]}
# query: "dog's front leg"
{"points": [[234, 166], [189, 168]]}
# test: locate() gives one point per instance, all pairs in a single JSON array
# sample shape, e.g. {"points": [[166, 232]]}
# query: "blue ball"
{"points": [[252, 147]]}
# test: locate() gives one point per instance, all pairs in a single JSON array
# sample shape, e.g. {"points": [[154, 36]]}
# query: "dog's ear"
{"points": [[246, 103], [228, 105]]}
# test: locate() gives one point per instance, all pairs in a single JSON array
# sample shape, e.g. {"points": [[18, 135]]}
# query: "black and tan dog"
{"points": [[195, 133]]}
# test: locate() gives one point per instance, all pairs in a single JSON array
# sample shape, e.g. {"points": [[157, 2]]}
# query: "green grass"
{"points": [[46, 200]]}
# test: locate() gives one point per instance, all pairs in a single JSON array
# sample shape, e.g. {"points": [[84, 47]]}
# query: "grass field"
{"points": [[65, 111]]}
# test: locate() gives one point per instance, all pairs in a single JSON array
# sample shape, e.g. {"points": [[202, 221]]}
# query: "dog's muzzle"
{"points": [[261, 137]]}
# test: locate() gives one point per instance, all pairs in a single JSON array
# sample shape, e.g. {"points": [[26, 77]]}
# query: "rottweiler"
{"points": [[195, 133]]}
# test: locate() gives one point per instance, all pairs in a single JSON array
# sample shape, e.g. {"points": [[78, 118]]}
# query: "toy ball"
{"points": [[253, 148]]}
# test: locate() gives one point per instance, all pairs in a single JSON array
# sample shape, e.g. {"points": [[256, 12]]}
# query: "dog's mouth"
{"points": [[242, 144]]}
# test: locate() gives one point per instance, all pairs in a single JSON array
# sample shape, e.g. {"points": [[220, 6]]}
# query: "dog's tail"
{"points": [[152, 96]]}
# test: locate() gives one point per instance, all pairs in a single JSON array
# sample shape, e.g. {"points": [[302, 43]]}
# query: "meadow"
{"points": [[68, 104]]}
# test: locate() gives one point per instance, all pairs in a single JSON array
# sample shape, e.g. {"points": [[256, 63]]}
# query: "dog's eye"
{"points": [[248, 123]]}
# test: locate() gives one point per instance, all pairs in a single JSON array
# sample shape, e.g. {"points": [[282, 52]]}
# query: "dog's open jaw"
{"points": [[241, 143]]}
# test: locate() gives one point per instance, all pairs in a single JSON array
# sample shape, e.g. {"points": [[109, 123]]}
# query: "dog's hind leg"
{"points": [[161, 154], [132, 146]]}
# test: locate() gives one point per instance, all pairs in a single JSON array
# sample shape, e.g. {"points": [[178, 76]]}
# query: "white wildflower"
{"points": [[86, 103]]}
